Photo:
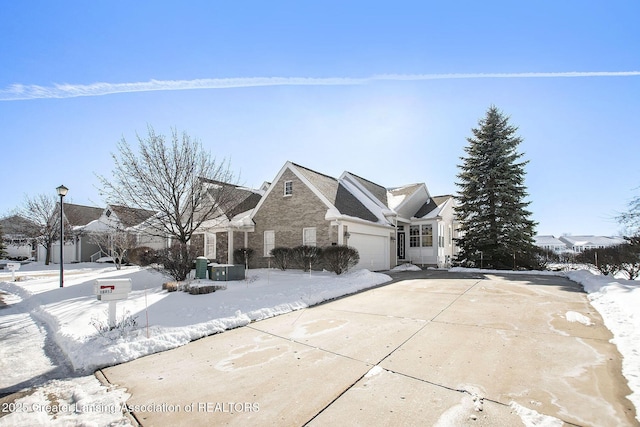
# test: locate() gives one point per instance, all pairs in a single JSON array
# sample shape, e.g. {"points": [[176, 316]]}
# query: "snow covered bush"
{"points": [[282, 257], [340, 258]]}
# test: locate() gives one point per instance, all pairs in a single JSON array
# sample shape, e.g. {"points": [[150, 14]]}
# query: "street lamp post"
{"points": [[62, 191]]}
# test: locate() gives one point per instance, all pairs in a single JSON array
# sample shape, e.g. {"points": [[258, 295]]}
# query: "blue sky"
{"points": [[387, 91]]}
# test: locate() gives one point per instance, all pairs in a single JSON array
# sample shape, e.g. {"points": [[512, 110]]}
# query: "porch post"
{"points": [[230, 247]]}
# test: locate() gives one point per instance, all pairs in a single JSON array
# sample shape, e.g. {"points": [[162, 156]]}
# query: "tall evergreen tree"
{"points": [[495, 226]]}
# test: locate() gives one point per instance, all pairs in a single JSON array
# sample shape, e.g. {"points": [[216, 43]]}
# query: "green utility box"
{"points": [[226, 272], [201, 267]]}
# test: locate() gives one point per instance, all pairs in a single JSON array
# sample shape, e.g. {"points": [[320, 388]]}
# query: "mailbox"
{"points": [[13, 266], [112, 289]]}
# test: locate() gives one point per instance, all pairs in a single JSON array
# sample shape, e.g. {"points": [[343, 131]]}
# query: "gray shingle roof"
{"points": [[130, 217], [378, 191], [432, 204], [79, 215], [344, 201], [327, 185], [348, 204]]}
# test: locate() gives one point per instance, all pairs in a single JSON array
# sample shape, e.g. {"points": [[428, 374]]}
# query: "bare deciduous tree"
{"points": [[631, 218], [42, 213], [115, 242], [177, 179]]}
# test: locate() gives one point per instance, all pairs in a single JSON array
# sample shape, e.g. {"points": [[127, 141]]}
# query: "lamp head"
{"points": [[62, 191]]}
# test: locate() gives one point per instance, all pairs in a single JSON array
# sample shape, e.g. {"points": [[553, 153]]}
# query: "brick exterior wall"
{"points": [[221, 247], [287, 216]]}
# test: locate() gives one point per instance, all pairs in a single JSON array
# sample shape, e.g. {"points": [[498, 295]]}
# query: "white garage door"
{"points": [[373, 250]]}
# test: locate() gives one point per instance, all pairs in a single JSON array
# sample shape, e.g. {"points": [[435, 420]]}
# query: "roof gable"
{"points": [[129, 217], [378, 192], [433, 207], [339, 197], [16, 224], [308, 177], [79, 215]]}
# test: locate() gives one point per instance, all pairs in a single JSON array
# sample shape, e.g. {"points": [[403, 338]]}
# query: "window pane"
{"points": [[288, 188], [269, 242], [210, 245], [414, 236], [309, 236], [427, 235]]}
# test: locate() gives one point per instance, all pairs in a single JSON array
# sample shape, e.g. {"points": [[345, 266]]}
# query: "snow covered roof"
{"points": [[547, 241], [604, 241], [397, 195]]}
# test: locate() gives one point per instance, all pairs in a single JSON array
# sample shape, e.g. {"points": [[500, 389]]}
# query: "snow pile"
{"points": [[78, 401], [406, 267], [573, 316], [531, 418]]}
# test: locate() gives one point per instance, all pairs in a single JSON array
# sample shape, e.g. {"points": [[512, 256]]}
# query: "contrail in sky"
{"points": [[16, 92]]}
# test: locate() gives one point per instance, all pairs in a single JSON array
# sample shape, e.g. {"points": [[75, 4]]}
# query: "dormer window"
{"points": [[288, 188], [107, 213]]}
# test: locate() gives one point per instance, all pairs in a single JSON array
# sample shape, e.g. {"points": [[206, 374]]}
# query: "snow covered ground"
{"points": [[52, 338]]}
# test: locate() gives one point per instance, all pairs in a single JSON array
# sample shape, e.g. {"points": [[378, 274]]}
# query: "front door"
{"points": [[400, 245]]}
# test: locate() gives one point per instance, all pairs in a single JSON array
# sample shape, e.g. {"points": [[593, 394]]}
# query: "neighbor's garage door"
{"points": [[373, 250]]}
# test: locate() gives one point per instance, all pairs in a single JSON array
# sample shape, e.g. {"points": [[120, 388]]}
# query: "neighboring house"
{"points": [[582, 243], [550, 243], [576, 244], [17, 243], [137, 222], [229, 230], [386, 226], [77, 246]]}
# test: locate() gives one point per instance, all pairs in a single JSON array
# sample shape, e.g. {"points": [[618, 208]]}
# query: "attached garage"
{"points": [[373, 250]]}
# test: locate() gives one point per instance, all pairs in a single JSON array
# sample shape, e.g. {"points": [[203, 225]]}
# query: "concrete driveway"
{"points": [[431, 348]]}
